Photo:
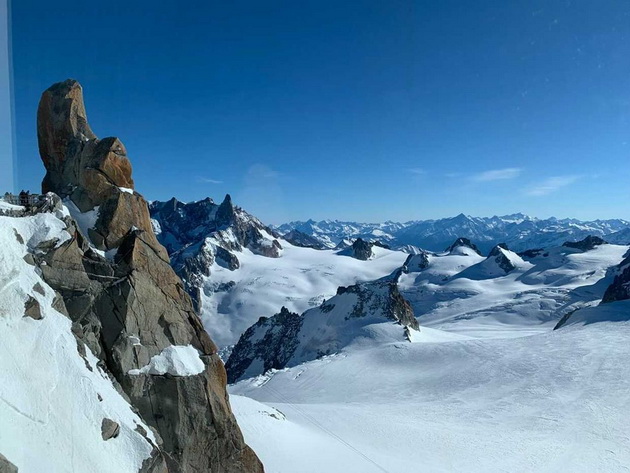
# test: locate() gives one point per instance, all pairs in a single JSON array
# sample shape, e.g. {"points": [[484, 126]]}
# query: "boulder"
{"points": [[32, 309], [109, 429]]}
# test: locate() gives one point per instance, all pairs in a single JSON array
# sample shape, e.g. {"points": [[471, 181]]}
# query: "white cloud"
{"points": [[497, 174], [551, 184], [417, 171], [209, 181]]}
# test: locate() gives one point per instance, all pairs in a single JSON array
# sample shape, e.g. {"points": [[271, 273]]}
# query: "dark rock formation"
{"points": [[287, 339], [529, 254], [587, 244], [6, 466], [32, 308], [498, 254], [297, 238], [619, 290], [275, 348], [465, 242], [130, 307], [362, 249]]}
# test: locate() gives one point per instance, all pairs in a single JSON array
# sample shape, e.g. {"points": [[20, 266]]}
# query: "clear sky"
{"points": [[363, 110]]}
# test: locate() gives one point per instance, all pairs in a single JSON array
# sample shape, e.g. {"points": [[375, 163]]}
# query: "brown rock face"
{"points": [[89, 171], [130, 309]]}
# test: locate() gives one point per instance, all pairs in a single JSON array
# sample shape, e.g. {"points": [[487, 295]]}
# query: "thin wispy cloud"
{"points": [[497, 174], [417, 171], [209, 181], [551, 184]]}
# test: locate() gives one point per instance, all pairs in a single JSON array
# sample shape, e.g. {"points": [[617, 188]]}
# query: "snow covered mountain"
{"points": [[518, 231], [237, 271], [485, 385], [356, 312]]}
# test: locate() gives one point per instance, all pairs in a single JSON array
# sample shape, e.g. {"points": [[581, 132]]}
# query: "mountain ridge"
{"points": [[518, 230]]}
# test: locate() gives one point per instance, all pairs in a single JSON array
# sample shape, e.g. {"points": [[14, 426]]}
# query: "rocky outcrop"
{"points": [[130, 306], [465, 243], [90, 172], [273, 340], [6, 466], [362, 249], [416, 262], [287, 339], [619, 290], [587, 244], [498, 253], [297, 238]]}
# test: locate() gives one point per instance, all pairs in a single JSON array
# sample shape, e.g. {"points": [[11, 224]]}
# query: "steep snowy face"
{"points": [[519, 231], [364, 313], [55, 398], [467, 292]]}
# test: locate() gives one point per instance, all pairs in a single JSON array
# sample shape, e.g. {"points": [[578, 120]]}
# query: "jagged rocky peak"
{"points": [[91, 173], [201, 234], [131, 309], [463, 243], [287, 339], [587, 244], [225, 212]]}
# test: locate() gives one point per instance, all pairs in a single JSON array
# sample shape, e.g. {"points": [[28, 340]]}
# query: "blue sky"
{"points": [[364, 110]]}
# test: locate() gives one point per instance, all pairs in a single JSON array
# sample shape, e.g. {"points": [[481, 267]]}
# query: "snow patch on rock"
{"points": [[176, 360]]}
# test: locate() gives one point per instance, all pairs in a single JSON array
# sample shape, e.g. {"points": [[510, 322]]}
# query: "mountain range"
{"points": [[520, 232]]}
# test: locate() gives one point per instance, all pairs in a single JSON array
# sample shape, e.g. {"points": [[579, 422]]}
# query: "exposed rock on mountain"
{"points": [[462, 243], [416, 262], [128, 305], [360, 249], [6, 466], [287, 339], [588, 243], [619, 290], [91, 172], [297, 238], [500, 256], [198, 234]]}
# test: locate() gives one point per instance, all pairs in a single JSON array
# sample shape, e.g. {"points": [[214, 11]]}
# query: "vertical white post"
{"points": [[7, 131]]}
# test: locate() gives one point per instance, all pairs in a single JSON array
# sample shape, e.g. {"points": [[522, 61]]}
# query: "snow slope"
{"points": [[299, 279], [469, 294], [552, 402], [52, 400]]}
